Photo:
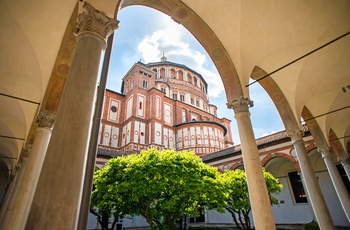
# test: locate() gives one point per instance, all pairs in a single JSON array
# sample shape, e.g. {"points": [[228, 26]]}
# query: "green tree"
{"points": [[238, 200], [161, 186]]}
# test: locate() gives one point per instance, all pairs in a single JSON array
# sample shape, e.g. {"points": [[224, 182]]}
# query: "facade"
{"points": [[298, 51], [163, 105]]}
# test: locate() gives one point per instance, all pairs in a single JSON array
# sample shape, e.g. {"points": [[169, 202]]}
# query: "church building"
{"points": [[162, 105]]}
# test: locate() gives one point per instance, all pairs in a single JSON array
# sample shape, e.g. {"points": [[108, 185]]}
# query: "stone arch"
{"points": [[270, 156], [236, 165], [310, 147], [183, 14], [283, 107]]}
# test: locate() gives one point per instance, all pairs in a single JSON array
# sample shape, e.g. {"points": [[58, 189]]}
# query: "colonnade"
{"points": [[49, 194]]}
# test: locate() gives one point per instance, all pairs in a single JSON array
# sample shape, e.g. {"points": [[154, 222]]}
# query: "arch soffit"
{"points": [[278, 98], [269, 157], [181, 13]]}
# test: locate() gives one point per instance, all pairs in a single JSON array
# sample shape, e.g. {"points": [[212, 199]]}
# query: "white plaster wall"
{"points": [[136, 131], [128, 134], [179, 136], [112, 116], [115, 137], [158, 130], [142, 100], [142, 130], [192, 136], [167, 114], [290, 212], [171, 139], [166, 138], [186, 138], [106, 135], [129, 107]]}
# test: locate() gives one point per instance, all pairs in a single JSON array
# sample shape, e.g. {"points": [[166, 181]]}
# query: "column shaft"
{"points": [[346, 165], [313, 189], [259, 198], [12, 188], [338, 184], [18, 213], [57, 198]]}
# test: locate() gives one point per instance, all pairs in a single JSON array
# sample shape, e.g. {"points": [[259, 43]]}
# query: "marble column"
{"points": [[338, 184], [57, 198], [346, 165], [18, 212], [259, 198], [312, 187], [12, 186]]}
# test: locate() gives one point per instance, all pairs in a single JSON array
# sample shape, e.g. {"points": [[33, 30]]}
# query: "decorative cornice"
{"points": [[94, 21], [296, 135], [46, 119], [240, 105]]}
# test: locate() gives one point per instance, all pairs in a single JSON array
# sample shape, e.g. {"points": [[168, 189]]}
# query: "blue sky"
{"points": [[144, 34]]}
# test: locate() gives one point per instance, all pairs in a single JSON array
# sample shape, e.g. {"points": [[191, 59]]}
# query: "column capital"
{"points": [[296, 135], [45, 119], [325, 151], [345, 160], [27, 149], [240, 104], [94, 21]]}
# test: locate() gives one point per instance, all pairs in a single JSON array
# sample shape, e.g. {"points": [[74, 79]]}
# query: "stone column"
{"points": [[338, 184], [312, 187], [18, 212], [259, 198], [12, 186], [346, 165], [58, 195]]}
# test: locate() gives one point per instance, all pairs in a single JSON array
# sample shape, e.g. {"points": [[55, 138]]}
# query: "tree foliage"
{"points": [[238, 200], [160, 186]]}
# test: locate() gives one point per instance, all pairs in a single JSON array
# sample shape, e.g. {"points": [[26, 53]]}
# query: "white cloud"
{"points": [[170, 42]]}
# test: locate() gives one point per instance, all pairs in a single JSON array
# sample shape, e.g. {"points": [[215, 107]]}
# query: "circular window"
{"points": [[115, 136], [167, 113], [158, 133], [142, 134], [106, 135], [136, 132], [114, 109]]}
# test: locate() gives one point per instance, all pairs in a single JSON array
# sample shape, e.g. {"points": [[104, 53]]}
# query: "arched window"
{"points": [[189, 78], [162, 73], [180, 75], [173, 73]]}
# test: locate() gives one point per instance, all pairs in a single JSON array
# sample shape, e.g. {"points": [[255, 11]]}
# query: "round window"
{"points": [[114, 109]]}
